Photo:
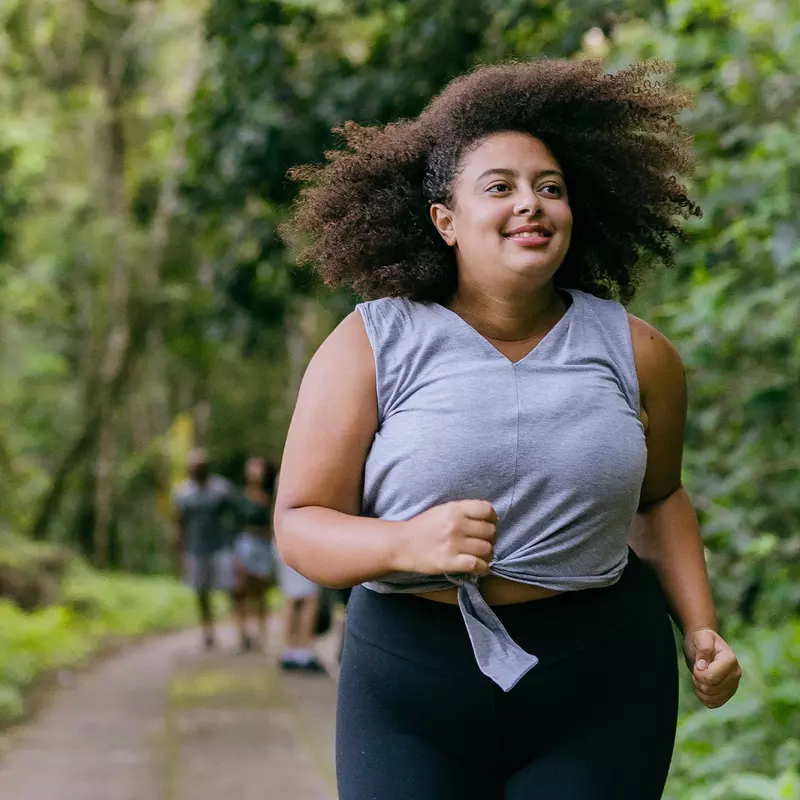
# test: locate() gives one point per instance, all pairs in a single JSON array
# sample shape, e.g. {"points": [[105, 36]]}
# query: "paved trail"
{"points": [[165, 721]]}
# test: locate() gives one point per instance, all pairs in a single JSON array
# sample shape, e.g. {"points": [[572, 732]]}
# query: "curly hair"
{"points": [[364, 215]]}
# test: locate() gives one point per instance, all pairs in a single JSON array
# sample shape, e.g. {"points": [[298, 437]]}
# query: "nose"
{"points": [[527, 204]]}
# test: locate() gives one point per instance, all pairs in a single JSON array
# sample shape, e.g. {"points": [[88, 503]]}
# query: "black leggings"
{"points": [[595, 720]]}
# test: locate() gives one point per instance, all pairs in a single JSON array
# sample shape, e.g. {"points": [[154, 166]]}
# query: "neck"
{"points": [[506, 317]]}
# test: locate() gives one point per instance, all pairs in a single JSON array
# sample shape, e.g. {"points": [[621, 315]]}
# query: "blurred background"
{"points": [[147, 302]]}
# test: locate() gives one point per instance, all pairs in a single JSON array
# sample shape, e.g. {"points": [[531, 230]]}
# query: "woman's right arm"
{"points": [[317, 527]]}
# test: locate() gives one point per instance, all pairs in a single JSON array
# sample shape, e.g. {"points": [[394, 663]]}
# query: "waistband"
{"points": [[503, 642]]}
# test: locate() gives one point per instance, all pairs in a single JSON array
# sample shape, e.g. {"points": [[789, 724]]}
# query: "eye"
{"points": [[553, 189], [497, 188]]}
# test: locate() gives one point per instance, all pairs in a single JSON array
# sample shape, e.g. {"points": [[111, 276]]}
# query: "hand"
{"points": [[715, 670], [452, 537]]}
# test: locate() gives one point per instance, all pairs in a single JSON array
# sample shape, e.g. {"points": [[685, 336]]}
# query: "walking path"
{"points": [[166, 721]]}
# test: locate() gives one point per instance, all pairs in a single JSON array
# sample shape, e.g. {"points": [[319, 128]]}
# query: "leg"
{"points": [[290, 614], [197, 575], [206, 615], [406, 731], [306, 620], [239, 601], [260, 606], [614, 730]]}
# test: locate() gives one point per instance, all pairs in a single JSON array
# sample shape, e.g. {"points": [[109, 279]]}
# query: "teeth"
{"points": [[530, 234]]}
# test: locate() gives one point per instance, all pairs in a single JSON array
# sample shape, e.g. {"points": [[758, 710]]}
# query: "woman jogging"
{"points": [[491, 445]]}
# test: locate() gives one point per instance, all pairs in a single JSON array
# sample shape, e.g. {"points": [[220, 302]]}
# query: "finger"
{"points": [[726, 689], [480, 548], [723, 666], [717, 690], [716, 699], [479, 509], [705, 647], [470, 564], [480, 529], [712, 703]]}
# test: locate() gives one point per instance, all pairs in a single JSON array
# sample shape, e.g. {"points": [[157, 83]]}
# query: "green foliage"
{"points": [[750, 748], [93, 608], [229, 309], [731, 304]]}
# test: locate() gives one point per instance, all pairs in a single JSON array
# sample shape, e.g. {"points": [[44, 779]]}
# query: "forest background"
{"points": [[146, 299]]}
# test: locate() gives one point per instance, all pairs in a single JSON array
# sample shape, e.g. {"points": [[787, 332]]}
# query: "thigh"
{"points": [[613, 733], [224, 567], [198, 572], [406, 732]]}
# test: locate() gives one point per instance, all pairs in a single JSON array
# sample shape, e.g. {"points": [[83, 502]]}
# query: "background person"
{"points": [[301, 607], [255, 562], [205, 508]]}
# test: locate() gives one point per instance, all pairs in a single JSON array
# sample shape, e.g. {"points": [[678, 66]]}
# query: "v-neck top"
{"points": [[553, 441]]}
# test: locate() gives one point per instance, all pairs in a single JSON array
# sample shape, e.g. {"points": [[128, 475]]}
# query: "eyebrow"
{"points": [[513, 173]]}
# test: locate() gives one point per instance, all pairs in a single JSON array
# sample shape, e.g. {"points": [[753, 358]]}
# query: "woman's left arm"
{"points": [[665, 533]]}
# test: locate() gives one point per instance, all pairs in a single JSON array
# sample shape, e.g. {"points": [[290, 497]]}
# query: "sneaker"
{"points": [[313, 667]]}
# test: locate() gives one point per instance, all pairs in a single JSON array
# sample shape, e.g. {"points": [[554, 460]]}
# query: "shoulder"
{"points": [[343, 359], [220, 485], [348, 343], [658, 363], [182, 492], [388, 316]]}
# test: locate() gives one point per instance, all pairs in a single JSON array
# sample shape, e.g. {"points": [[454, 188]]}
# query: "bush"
{"points": [[750, 748], [93, 608]]}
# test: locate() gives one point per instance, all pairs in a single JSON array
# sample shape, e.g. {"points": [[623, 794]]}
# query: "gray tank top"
{"points": [[553, 442]]}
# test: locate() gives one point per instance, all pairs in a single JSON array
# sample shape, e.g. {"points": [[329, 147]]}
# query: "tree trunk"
{"points": [[127, 342], [118, 335]]}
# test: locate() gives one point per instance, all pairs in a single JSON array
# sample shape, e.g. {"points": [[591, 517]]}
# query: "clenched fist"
{"points": [[452, 537], [715, 671]]}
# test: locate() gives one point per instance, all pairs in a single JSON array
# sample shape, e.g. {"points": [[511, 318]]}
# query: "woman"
{"points": [[482, 445], [255, 570]]}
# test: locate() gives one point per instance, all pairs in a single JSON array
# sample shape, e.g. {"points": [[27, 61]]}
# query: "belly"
{"points": [[496, 591]]}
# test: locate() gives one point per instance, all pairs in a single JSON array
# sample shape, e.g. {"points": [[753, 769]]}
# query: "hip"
{"points": [[553, 626]]}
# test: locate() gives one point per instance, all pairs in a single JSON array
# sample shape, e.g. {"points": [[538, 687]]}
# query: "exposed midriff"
{"points": [[496, 591]]}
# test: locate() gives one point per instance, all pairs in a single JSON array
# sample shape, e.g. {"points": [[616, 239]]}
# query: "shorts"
{"points": [[293, 585], [254, 555], [212, 571]]}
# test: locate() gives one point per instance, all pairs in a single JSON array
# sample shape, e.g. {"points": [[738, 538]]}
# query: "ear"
{"points": [[442, 218]]}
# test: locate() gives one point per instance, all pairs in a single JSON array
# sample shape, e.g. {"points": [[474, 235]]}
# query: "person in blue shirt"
{"points": [[205, 510]]}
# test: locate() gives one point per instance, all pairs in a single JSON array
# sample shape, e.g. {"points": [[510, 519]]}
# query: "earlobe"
{"points": [[442, 218]]}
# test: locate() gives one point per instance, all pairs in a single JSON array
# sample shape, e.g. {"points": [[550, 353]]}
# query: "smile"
{"points": [[529, 238]]}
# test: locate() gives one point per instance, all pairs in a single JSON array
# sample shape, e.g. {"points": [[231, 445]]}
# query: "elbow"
{"points": [[285, 542], [650, 505], [298, 555]]}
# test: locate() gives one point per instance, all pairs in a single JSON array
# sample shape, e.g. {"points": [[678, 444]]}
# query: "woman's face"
{"points": [[510, 220], [254, 471]]}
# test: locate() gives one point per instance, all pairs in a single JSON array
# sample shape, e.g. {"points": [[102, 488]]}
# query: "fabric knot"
{"points": [[499, 657]]}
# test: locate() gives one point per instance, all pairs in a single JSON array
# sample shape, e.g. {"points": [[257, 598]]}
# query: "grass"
{"points": [[92, 609]]}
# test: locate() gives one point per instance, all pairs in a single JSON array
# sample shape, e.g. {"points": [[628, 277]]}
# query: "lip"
{"points": [[541, 229], [543, 237]]}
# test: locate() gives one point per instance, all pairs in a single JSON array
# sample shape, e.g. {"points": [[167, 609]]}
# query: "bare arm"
{"points": [[665, 533], [317, 527], [318, 501]]}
